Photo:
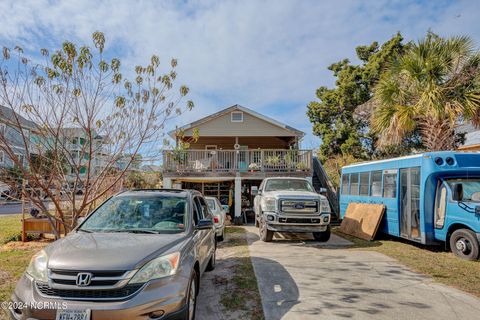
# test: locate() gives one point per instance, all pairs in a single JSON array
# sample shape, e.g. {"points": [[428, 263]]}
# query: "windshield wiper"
{"points": [[85, 230], [134, 231]]}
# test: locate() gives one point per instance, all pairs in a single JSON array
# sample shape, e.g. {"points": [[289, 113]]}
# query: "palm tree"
{"points": [[427, 90]]}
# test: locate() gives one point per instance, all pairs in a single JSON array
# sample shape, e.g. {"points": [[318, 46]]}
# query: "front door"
{"points": [[410, 203]]}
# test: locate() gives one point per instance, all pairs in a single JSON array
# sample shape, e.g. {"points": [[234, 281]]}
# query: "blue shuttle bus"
{"points": [[429, 198]]}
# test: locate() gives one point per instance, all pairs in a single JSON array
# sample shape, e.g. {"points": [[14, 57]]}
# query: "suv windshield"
{"points": [[286, 184], [141, 214], [471, 188]]}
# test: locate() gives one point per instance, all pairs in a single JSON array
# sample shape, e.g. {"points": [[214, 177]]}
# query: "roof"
{"points": [[8, 114], [240, 108]]}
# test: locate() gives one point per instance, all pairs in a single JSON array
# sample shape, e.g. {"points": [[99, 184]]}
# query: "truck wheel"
{"points": [[464, 244], [322, 236], [265, 234]]}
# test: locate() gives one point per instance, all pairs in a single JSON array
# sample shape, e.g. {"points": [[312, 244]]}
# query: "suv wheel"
{"points": [[265, 234], [464, 244], [192, 297], [322, 236]]}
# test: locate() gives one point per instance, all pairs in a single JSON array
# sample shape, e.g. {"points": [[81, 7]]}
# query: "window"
{"points": [[2, 128], [364, 177], [2, 156], [21, 158], [390, 183], [237, 116], [211, 147], [345, 184], [354, 184], [376, 184], [440, 206]]}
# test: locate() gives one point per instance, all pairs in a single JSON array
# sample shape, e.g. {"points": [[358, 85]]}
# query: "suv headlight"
{"points": [[268, 204], [324, 206], [38, 266], [160, 267]]}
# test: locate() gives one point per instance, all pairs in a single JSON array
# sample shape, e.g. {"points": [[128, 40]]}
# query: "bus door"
{"points": [[410, 203]]}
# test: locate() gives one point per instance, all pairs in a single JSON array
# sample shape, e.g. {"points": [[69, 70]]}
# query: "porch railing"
{"points": [[261, 160]]}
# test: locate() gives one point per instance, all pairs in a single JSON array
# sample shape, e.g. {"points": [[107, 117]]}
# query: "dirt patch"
{"points": [[231, 291], [18, 245]]}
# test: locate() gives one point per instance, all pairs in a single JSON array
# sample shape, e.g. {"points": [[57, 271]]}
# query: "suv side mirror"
{"points": [[204, 224], [259, 192], [457, 192]]}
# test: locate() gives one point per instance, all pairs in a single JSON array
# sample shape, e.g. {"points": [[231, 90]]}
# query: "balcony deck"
{"points": [[255, 163]]}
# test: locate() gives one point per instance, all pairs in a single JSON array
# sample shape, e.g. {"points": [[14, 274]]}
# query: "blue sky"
{"points": [[269, 56]]}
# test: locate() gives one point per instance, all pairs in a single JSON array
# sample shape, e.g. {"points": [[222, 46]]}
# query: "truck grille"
{"points": [[114, 294], [299, 206]]}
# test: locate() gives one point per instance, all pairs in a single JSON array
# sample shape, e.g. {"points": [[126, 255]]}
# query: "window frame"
{"points": [[236, 112], [390, 172], [371, 183], [345, 188], [358, 184], [367, 173]]}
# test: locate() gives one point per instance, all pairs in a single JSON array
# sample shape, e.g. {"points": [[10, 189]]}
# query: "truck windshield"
{"points": [[287, 184], [471, 188], [139, 214]]}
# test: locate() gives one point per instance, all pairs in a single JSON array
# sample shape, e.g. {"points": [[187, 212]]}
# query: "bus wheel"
{"points": [[464, 244]]}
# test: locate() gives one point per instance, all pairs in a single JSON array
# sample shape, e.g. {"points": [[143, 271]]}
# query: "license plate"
{"points": [[73, 314]]}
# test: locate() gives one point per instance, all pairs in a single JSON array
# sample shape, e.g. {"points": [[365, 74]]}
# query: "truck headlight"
{"points": [[160, 267], [268, 204], [324, 206], [37, 268]]}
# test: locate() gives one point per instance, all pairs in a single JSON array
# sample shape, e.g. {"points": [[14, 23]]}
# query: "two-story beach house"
{"points": [[236, 149]]}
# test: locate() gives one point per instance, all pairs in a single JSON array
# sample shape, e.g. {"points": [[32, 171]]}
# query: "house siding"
{"points": [[250, 127]]}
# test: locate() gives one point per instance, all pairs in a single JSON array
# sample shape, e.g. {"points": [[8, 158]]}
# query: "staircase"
{"points": [[320, 179]]}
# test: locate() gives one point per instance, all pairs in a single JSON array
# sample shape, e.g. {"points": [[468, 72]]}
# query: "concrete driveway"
{"points": [[308, 280]]}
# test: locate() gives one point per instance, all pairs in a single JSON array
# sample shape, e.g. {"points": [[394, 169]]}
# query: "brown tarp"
{"points": [[362, 220]]}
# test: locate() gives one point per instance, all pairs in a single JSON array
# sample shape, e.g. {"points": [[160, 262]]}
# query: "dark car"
{"points": [[140, 255]]}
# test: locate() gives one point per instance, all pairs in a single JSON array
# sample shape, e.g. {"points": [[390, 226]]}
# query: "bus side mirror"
{"points": [[458, 192]]}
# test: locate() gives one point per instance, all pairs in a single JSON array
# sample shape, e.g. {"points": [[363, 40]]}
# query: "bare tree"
{"points": [[81, 123]]}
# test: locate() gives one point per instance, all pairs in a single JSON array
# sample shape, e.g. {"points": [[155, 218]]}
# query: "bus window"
{"points": [[364, 176], [345, 184], [354, 184], [389, 183], [376, 184], [440, 205]]}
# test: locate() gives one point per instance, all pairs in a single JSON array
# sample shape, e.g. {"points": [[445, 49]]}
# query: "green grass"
{"points": [[243, 293], [442, 266], [13, 261], [10, 227]]}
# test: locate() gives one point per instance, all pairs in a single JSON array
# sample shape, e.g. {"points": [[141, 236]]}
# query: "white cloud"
{"points": [[255, 53]]}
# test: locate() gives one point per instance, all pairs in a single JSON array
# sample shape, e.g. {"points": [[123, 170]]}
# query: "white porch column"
{"points": [[167, 183], [238, 198]]}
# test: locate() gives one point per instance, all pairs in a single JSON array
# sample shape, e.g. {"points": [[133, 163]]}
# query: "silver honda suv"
{"points": [[140, 255]]}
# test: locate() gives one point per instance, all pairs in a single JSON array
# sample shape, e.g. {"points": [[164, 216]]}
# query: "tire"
{"points": [[221, 237], [265, 234], [322, 236], [464, 244], [212, 261], [192, 297]]}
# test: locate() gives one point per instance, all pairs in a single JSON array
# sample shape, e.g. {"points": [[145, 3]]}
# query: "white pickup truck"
{"points": [[291, 205]]}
